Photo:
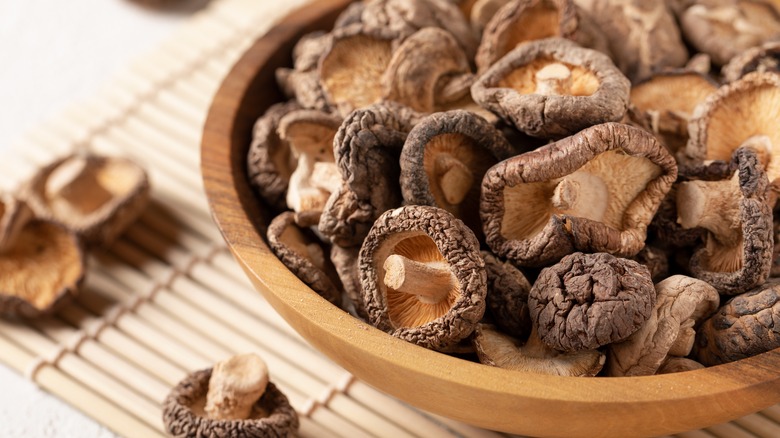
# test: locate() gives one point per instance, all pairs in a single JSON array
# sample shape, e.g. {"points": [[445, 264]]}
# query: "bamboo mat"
{"points": [[167, 298]]}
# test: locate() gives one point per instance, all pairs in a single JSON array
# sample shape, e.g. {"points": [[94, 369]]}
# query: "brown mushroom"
{"points": [[747, 325], [655, 259], [345, 260], [423, 277], [303, 256], [234, 398], [302, 82], [497, 349], [678, 365], [737, 254], [507, 297], [587, 301], [682, 303], [774, 271], [97, 197], [763, 58], [723, 29], [444, 159], [576, 195], [270, 161], [481, 12], [41, 263], [553, 88], [665, 230]]}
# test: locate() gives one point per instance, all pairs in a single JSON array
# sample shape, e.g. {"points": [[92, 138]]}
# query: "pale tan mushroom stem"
{"points": [[431, 282], [454, 177], [582, 194], [235, 386], [713, 205], [554, 79]]}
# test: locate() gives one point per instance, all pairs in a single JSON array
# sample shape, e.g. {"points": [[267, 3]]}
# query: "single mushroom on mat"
{"points": [[681, 304], [498, 349], [594, 191], [42, 263], [552, 88], [97, 197], [507, 297], [747, 325], [737, 254], [235, 398], [423, 277], [304, 256], [587, 301]]}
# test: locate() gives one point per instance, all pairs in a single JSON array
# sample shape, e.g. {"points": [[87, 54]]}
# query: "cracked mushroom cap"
{"points": [[444, 159], [303, 256], [97, 197], [42, 263], [507, 296], [553, 88], [587, 301], [206, 402], [682, 303], [498, 349], [367, 148], [740, 111], [575, 194], [725, 29], [423, 277], [747, 325], [764, 58], [737, 254]]}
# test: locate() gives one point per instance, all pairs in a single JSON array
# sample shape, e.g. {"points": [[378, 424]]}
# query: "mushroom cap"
{"points": [[736, 112], [456, 136], [745, 326], [345, 260], [678, 365], [519, 219], [425, 234], [41, 270], [303, 256], [590, 300], [763, 58], [681, 303], [664, 227], [97, 197], [183, 412], [598, 92], [507, 296], [655, 259]]}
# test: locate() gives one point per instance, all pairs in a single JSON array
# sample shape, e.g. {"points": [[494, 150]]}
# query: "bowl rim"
{"points": [[647, 404]]}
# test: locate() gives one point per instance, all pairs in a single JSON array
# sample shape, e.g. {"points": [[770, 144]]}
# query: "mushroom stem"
{"points": [[713, 205], [14, 215], [554, 79], [582, 194], [235, 386], [455, 178], [429, 281]]}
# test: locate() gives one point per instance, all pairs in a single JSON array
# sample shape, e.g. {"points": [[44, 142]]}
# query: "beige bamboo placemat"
{"points": [[167, 298]]}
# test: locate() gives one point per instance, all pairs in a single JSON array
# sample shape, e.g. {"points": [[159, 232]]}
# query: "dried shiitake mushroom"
{"points": [[575, 194], [507, 297], [764, 58], [737, 254], [552, 88], [345, 260], [745, 326], [423, 277], [655, 259], [95, 196], [302, 82], [587, 301], [233, 399], [682, 303], [678, 365], [480, 12]]}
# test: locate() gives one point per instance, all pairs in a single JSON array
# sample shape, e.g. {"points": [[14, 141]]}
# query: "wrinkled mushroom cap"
{"points": [[522, 222], [431, 236], [507, 296], [764, 58], [682, 302], [587, 301], [591, 89], [97, 197], [345, 260]]}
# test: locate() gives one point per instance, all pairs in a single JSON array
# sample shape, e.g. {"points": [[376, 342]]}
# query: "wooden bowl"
{"points": [[484, 396]]}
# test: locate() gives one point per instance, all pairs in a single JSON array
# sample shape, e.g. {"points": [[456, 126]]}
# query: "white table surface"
{"points": [[53, 53]]}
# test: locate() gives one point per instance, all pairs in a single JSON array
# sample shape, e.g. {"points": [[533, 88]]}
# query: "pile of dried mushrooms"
{"points": [[573, 187]]}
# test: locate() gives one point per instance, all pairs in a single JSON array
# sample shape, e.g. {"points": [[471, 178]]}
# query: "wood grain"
{"points": [[483, 396]]}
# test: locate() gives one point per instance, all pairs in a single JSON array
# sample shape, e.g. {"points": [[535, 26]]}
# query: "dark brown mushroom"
{"points": [[497, 349], [737, 254], [345, 260], [507, 297], [552, 88], [587, 301], [97, 197], [763, 58], [302, 82], [774, 271], [655, 259], [682, 303], [235, 398], [423, 277], [665, 230], [576, 194], [747, 325], [444, 159], [303, 256]]}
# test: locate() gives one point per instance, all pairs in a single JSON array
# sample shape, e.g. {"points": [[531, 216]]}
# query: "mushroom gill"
{"points": [[537, 76]]}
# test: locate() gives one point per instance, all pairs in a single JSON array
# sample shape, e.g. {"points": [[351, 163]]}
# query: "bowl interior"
{"points": [[484, 396]]}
